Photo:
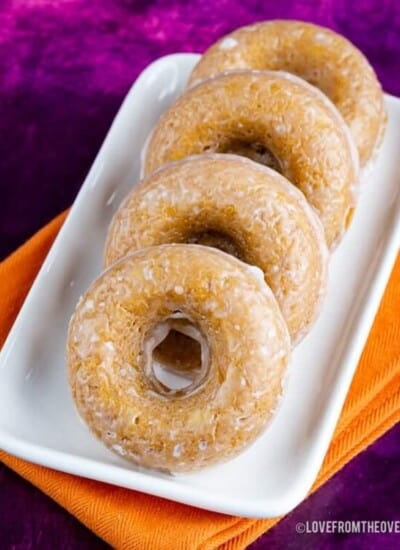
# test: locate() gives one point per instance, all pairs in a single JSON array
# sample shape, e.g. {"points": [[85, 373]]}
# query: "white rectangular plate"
{"points": [[38, 421]]}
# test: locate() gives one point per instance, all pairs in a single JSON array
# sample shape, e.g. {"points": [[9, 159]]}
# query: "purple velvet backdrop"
{"points": [[65, 66]]}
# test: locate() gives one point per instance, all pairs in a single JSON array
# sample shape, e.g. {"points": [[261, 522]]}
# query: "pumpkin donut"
{"points": [[320, 56], [245, 352], [263, 114], [237, 205]]}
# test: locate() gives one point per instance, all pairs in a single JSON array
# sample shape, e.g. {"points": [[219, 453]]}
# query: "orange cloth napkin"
{"points": [[131, 520]]}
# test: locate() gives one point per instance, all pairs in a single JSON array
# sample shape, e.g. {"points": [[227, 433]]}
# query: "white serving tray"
{"points": [[38, 421]]}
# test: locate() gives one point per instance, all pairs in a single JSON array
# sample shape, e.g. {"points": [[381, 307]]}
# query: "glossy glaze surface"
{"points": [[246, 351], [252, 211], [280, 113], [317, 54]]}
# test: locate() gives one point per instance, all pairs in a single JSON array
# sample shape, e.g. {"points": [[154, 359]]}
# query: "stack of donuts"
{"points": [[216, 262]]}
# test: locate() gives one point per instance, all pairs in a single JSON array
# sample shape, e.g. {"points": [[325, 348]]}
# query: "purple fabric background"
{"points": [[65, 66]]}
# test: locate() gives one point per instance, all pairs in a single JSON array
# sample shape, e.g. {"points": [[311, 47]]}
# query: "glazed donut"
{"points": [[318, 55], [262, 114], [239, 206], [245, 352]]}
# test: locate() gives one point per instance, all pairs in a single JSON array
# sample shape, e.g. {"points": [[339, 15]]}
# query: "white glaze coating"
{"points": [[183, 430], [271, 225], [283, 114], [320, 56], [228, 44]]}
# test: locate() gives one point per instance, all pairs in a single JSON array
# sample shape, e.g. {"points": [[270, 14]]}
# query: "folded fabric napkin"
{"points": [[128, 519]]}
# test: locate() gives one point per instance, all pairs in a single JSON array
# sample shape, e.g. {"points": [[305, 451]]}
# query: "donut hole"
{"points": [[180, 352], [176, 356], [253, 150], [217, 239], [170, 379]]}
